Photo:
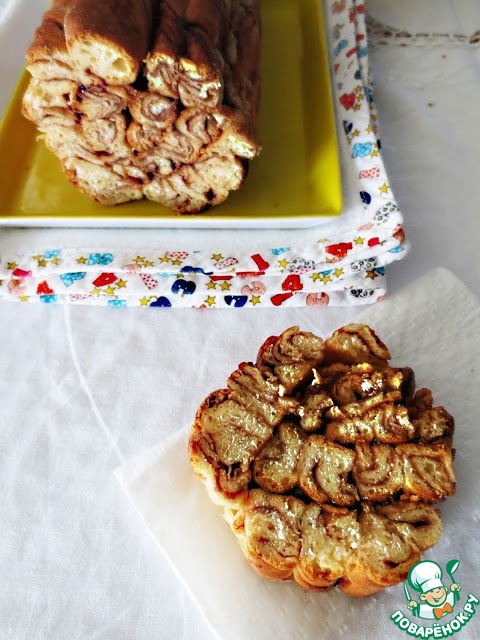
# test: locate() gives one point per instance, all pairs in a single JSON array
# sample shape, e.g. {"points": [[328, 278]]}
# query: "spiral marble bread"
{"points": [[326, 461], [148, 98]]}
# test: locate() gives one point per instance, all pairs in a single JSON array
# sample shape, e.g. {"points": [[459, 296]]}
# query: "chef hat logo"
{"points": [[425, 576]]}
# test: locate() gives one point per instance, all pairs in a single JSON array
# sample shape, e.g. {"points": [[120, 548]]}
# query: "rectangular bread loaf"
{"points": [[147, 98]]}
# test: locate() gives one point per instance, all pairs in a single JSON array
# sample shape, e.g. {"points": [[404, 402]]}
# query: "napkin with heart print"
{"points": [[341, 263]]}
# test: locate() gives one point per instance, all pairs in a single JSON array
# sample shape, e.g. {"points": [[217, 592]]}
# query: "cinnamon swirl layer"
{"points": [[326, 471]]}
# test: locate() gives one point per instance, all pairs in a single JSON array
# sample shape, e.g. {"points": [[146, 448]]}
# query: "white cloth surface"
{"points": [[427, 16], [86, 389], [422, 332], [428, 97]]}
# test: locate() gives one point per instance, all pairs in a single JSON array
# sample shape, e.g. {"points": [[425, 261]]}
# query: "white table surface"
{"points": [[84, 389]]}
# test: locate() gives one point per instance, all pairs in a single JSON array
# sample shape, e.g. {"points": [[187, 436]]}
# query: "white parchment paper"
{"points": [[432, 325]]}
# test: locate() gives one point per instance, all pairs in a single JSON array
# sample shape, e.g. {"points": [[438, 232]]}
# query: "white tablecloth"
{"points": [[84, 389]]}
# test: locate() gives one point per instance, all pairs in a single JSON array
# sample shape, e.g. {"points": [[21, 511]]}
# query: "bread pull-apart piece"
{"points": [[151, 115], [189, 188], [48, 57], [321, 546], [378, 472], [186, 60], [326, 461], [324, 467], [46, 98], [389, 423], [428, 470], [363, 388], [328, 472], [224, 439], [430, 423], [329, 537], [108, 39], [268, 530], [100, 101], [93, 42], [356, 343], [413, 471], [194, 130], [101, 181], [260, 392], [237, 432], [232, 425], [206, 52], [106, 137], [276, 467], [314, 407], [391, 539], [292, 356], [341, 393]]}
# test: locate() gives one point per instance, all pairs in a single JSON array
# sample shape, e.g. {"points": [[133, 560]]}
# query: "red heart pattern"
{"points": [[348, 100]]}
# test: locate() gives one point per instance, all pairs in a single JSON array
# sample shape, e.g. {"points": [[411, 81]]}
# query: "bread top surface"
{"points": [[49, 40], [110, 39]]}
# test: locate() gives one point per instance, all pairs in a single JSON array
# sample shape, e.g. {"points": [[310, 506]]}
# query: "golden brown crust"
{"points": [[211, 16], [49, 37], [200, 79], [332, 480], [242, 54], [109, 39], [186, 58], [162, 62], [356, 343], [47, 56]]}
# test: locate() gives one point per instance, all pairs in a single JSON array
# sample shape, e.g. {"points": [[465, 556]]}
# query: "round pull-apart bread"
{"points": [[326, 461]]}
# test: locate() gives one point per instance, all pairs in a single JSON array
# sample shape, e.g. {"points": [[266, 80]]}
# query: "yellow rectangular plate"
{"points": [[294, 183]]}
